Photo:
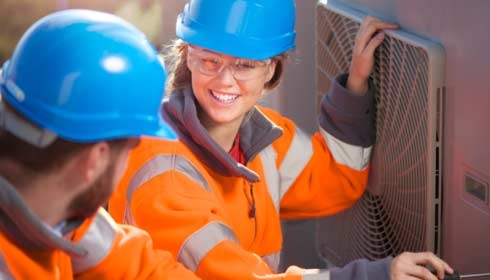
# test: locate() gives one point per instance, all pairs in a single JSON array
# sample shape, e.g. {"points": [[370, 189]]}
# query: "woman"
{"points": [[215, 198]]}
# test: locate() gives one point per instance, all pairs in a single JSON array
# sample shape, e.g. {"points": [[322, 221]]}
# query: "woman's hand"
{"points": [[368, 38]]}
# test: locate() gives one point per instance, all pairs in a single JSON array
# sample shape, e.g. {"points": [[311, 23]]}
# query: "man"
{"points": [[79, 90]]}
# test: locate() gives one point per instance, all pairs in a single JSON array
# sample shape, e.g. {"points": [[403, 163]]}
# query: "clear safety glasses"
{"points": [[211, 64]]}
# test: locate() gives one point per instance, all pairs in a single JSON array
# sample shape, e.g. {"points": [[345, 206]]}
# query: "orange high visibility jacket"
{"points": [[220, 218], [96, 248]]}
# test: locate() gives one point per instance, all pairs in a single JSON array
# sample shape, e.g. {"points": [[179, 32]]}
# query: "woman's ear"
{"points": [[185, 52], [271, 70]]}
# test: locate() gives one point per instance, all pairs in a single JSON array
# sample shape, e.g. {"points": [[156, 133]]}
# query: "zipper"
{"points": [[251, 212]]}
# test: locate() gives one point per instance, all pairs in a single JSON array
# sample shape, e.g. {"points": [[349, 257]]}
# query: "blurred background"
{"points": [[17, 15]]}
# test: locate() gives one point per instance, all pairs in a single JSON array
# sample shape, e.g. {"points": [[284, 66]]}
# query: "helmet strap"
{"points": [[24, 129]]}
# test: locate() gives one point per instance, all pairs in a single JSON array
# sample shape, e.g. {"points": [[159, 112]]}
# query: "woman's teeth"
{"points": [[226, 98]]}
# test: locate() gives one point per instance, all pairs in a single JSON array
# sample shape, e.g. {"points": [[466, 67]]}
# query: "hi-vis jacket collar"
{"points": [[24, 227], [256, 132]]}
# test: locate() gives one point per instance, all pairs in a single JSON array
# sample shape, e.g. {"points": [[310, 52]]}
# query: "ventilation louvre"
{"points": [[400, 210]]}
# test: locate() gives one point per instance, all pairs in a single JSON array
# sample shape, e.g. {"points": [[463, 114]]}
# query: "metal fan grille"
{"points": [[393, 215]]}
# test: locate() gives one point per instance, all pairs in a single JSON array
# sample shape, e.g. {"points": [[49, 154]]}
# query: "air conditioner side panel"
{"points": [[401, 209]]}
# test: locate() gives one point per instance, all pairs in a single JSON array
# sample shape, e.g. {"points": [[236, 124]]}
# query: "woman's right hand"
{"points": [[411, 266], [368, 38]]}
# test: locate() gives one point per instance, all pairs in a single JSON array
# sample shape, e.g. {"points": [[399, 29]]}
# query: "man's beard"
{"points": [[97, 195]]}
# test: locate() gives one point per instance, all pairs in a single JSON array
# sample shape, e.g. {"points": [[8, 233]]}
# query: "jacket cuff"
{"points": [[363, 270], [347, 116], [340, 97]]}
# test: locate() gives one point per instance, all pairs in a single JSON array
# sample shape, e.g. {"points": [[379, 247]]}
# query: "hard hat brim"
{"points": [[233, 45]]}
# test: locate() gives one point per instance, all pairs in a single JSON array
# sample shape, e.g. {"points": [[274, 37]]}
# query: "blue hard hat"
{"points": [[87, 76], [252, 29]]}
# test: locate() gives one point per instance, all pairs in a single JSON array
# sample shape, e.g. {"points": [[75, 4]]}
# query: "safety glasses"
{"points": [[210, 64]]}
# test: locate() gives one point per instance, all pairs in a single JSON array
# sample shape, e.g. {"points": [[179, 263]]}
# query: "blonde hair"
{"points": [[179, 76]]}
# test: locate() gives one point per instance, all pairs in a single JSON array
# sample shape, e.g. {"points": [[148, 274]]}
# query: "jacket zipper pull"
{"points": [[251, 212]]}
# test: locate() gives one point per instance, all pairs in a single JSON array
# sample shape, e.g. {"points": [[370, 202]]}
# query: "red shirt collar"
{"points": [[236, 152]]}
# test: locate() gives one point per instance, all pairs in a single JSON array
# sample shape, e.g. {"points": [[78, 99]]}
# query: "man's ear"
{"points": [[95, 161]]}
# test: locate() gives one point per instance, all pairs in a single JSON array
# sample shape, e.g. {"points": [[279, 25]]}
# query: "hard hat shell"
{"points": [[87, 76], [252, 29]]}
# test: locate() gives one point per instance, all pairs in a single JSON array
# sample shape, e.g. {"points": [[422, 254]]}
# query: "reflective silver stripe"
{"points": [[273, 260], [5, 273], [268, 157], [355, 157], [156, 166], [317, 275], [97, 240], [298, 155], [196, 246]]}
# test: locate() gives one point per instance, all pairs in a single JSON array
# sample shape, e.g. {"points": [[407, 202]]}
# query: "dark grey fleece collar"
{"points": [[25, 229], [256, 133]]}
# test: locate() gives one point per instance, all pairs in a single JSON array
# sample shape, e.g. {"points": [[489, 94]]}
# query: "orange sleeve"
{"points": [[323, 187], [172, 207], [230, 262], [133, 256]]}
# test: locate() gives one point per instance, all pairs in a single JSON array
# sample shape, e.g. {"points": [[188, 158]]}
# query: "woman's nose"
{"points": [[226, 75]]}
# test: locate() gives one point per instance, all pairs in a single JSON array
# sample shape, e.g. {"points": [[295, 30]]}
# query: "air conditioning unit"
{"points": [[401, 209]]}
